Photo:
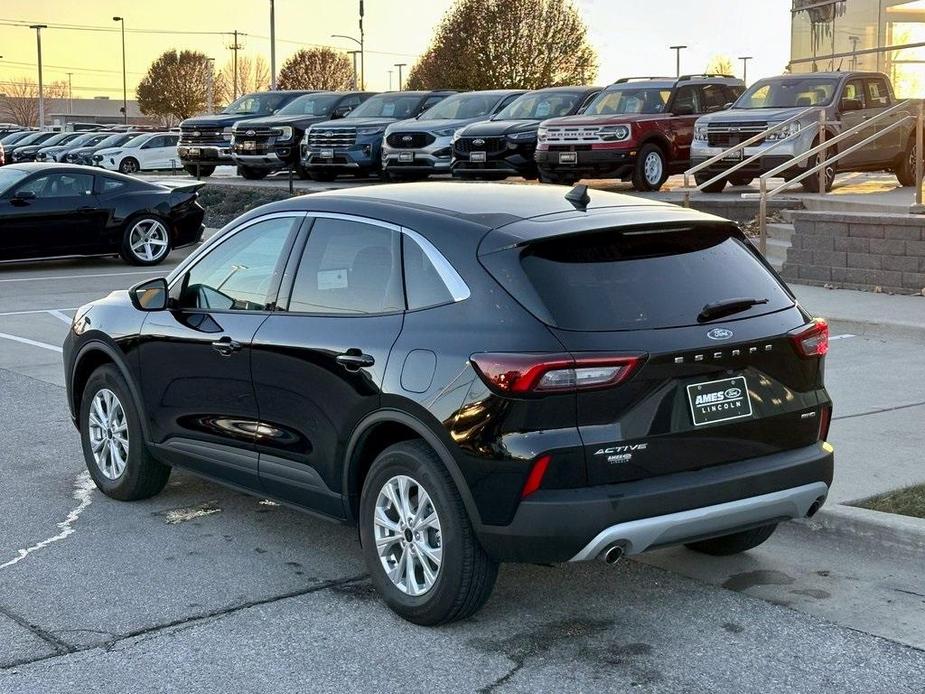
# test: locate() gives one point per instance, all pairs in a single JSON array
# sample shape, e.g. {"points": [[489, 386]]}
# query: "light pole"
{"points": [[745, 59], [354, 54], [362, 51], [272, 45], [38, 42], [677, 58], [121, 20], [70, 94], [399, 66], [390, 79], [358, 42]]}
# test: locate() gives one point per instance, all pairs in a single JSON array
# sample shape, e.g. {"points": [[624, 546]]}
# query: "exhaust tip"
{"points": [[816, 505], [612, 554]]}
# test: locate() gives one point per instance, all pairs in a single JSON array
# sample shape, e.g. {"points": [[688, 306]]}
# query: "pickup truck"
{"points": [[205, 141], [848, 99], [638, 129]]}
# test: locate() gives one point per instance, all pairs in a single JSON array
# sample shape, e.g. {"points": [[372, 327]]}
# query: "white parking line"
{"points": [[60, 316], [841, 337], [48, 278], [34, 311], [34, 343]]}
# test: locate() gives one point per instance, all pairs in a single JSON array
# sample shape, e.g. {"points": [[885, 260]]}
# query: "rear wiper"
{"points": [[727, 307]]}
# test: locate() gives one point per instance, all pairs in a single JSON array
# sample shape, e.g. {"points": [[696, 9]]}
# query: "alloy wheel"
{"points": [[407, 534], [129, 167], [148, 240], [653, 168], [108, 431]]}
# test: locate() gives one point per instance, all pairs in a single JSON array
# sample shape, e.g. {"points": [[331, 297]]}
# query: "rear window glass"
{"points": [[644, 280]]}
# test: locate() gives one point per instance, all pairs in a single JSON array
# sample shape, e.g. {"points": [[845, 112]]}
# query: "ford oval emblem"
{"points": [[719, 334], [478, 142], [733, 393], [196, 133], [249, 133], [407, 138]]}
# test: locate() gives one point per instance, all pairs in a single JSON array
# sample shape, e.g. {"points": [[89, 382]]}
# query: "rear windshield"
{"points": [[642, 280]]}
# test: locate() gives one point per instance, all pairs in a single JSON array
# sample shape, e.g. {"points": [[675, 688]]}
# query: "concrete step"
{"points": [[777, 253], [780, 231], [842, 203], [787, 215]]}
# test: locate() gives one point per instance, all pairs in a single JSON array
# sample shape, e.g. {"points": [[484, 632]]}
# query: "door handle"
{"points": [[354, 360], [226, 346]]}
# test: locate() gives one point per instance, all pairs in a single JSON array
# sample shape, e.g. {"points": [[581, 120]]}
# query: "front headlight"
{"points": [[700, 133], [457, 134], [371, 131], [228, 133], [283, 134], [541, 134], [784, 132], [446, 132], [522, 137], [614, 133]]}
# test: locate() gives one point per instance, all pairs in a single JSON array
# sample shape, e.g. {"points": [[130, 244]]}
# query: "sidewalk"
{"points": [[866, 313]]}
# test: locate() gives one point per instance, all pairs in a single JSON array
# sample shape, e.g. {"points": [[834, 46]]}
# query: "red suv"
{"points": [[638, 129]]}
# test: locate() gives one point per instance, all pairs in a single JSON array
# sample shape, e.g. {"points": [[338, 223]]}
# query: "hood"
{"points": [[752, 114], [500, 127], [29, 149], [109, 150], [409, 126], [611, 119], [219, 120], [89, 149], [357, 122], [54, 149], [275, 121]]}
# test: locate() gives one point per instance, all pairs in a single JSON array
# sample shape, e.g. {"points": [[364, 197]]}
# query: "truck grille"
{"points": [[334, 138], [409, 140], [491, 145], [731, 134], [193, 135], [573, 134]]}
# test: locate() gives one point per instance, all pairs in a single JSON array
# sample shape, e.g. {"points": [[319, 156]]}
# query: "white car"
{"points": [[149, 151]]}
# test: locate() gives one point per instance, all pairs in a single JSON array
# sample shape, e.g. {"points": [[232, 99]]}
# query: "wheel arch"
{"points": [[377, 432], [92, 356], [663, 143]]}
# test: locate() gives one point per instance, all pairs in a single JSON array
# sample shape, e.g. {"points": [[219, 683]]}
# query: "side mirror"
{"points": [[727, 105], [150, 295], [851, 105], [24, 195]]}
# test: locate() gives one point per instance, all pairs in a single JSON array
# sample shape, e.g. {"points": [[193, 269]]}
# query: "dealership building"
{"points": [[883, 35]]}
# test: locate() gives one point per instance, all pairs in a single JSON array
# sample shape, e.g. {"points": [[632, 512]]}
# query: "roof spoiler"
{"points": [[579, 197], [177, 187]]}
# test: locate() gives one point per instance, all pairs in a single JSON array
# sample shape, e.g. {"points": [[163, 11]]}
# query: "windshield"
{"points": [[34, 138], [56, 139], [84, 139], [540, 106], [310, 105], [260, 103], [114, 140], [789, 93], [629, 99], [137, 141], [462, 106], [9, 177], [398, 106], [14, 137]]}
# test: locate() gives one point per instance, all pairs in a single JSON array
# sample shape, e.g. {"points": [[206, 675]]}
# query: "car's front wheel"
{"points": [[716, 187], [145, 241], [651, 169], [905, 167], [129, 165], [322, 175], [252, 174], [112, 440], [200, 170], [734, 543], [418, 542]]}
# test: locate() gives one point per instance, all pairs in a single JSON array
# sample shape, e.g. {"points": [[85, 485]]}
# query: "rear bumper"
{"points": [[576, 524]]}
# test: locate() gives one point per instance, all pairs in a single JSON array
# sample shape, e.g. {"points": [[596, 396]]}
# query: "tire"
{"points": [[129, 166], [252, 174], [811, 183], [204, 171], [322, 175], [141, 476], [465, 576], [717, 187], [905, 167], [135, 250], [740, 180], [651, 169], [734, 543]]}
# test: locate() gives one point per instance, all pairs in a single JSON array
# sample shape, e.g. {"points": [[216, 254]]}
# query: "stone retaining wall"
{"points": [[858, 251]]}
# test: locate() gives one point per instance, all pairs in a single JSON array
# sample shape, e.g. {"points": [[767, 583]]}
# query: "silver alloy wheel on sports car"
{"points": [[407, 533], [148, 240], [108, 431], [653, 167]]}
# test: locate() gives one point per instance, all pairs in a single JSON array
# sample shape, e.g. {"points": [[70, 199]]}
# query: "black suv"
{"points": [[205, 141], [471, 373], [263, 145], [505, 144]]}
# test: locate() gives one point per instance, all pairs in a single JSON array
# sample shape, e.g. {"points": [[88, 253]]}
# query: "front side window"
{"points": [[239, 274], [628, 99], [879, 93], [713, 97], [59, 185], [854, 91], [349, 267], [687, 100]]}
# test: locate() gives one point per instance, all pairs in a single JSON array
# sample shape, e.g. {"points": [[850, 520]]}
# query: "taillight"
{"points": [[825, 419], [535, 478], [811, 340], [552, 373]]}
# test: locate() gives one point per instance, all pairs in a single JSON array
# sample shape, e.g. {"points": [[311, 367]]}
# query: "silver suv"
{"points": [[421, 146], [849, 98]]}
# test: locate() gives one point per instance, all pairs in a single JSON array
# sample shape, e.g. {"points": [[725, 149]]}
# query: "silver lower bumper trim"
{"points": [[675, 528]]}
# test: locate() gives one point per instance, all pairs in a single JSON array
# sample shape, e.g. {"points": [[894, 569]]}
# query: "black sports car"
{"points": [[55, 210]]}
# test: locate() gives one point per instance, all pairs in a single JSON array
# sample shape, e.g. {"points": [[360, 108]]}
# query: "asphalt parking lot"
{"points": [[204, 589]]}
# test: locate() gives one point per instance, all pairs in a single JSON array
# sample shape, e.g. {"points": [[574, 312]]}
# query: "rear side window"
{"points": [[423, 285], [642, 280]]}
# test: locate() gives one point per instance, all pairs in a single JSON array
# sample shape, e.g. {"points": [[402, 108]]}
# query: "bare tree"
{"points": [[485, 44], [317, 68], [175, 86], [253, 76], [19, 101]]}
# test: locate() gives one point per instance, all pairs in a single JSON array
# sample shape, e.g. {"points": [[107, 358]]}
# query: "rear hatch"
{"points": [[709, 386]]}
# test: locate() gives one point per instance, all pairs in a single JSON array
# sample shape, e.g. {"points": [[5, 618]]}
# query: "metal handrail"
{"points": [[742, 145], [821, 166]]}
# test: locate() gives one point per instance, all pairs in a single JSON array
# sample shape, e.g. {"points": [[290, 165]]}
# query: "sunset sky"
{"points": [[631, 37]]}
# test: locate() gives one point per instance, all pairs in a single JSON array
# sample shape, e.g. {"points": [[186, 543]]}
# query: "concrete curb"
{"points": [[882, 529]]}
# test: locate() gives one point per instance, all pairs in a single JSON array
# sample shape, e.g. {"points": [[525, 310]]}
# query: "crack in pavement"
{"points": [[879, 411], [192, 620], [60, 646]]}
